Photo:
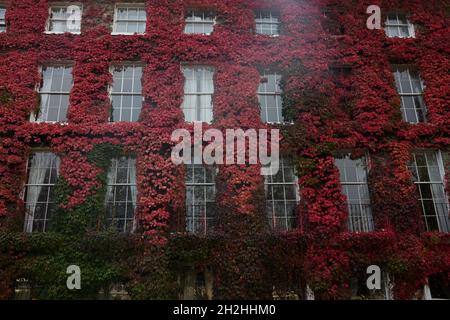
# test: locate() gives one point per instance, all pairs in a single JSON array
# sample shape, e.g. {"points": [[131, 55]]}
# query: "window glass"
{"points": [[129, 19], [353, 177], [121, 194], [57, 81], [198, 91], [43, 172]]}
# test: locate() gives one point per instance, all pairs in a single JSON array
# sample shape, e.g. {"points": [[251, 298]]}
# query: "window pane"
{"points": [[404, 32], [267, 22], [126, 101], [43, 169], [281, 196], [2, 20], [132, 27], [126, 106], [200, 197], [59, 20], [273, 115], [433, 199], [121, 195], [198, 86], [353, 175], [54, 106], [199, 22], [121, 26], [132, 14], [122, 13], [397, 25], [130, 20], [270, 102], [409, 86], [141, 27], [391, 18], [208, 28], [393, 32], [142, 14]]}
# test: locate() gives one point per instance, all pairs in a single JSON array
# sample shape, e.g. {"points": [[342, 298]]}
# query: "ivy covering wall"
{"points": [[361, 114]]}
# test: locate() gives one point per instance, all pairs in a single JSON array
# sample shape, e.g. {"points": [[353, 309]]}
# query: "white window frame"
{"points": [[272, 23], [110, 88], [61, 5], [440, 164], [398, 25], [199, 94], [191, 289], [275, 94], [128, 6], [209, 221], [3, 25], [114, 185], [271, 216], [23, 194], [201, 22], [22, 289], [366, 223], [427, 295], [33, 118], [403, 94], [427, 292], [387, 287]]}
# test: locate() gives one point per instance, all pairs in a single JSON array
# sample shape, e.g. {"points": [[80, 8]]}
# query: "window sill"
{"points": [[198, 34], [197, 121], [50, 122], [127, 33], [284, 123], [268, 35], [398, 37], [60, 32]]}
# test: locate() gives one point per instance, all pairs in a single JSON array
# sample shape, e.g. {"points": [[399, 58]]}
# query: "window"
{"points": [[121, 194], [64, 19], [54, 93], [292, 291], [2, 18], [428, 174], [353, 176], [198, 91], [198, 285], [200, 198], [267, 22], [282, 196], [22, 289], [397, 25], [438, 287], [114, 291], [269, 96], [200, 22], [360, 291], [126, 93], [129, 19], [410, 87], [43, 171]]}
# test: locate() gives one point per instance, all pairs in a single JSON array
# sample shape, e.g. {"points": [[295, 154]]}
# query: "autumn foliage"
{"points": [[359, 111]]}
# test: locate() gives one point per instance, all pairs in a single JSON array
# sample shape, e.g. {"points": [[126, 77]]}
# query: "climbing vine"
{"points": [[358, 110]]}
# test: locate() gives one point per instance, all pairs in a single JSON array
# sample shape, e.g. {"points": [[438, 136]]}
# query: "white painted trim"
{"points": [[127, 5], [62, 5]]}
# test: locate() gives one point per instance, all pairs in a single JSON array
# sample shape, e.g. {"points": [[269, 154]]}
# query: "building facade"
{"points": [[91, 92]]}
